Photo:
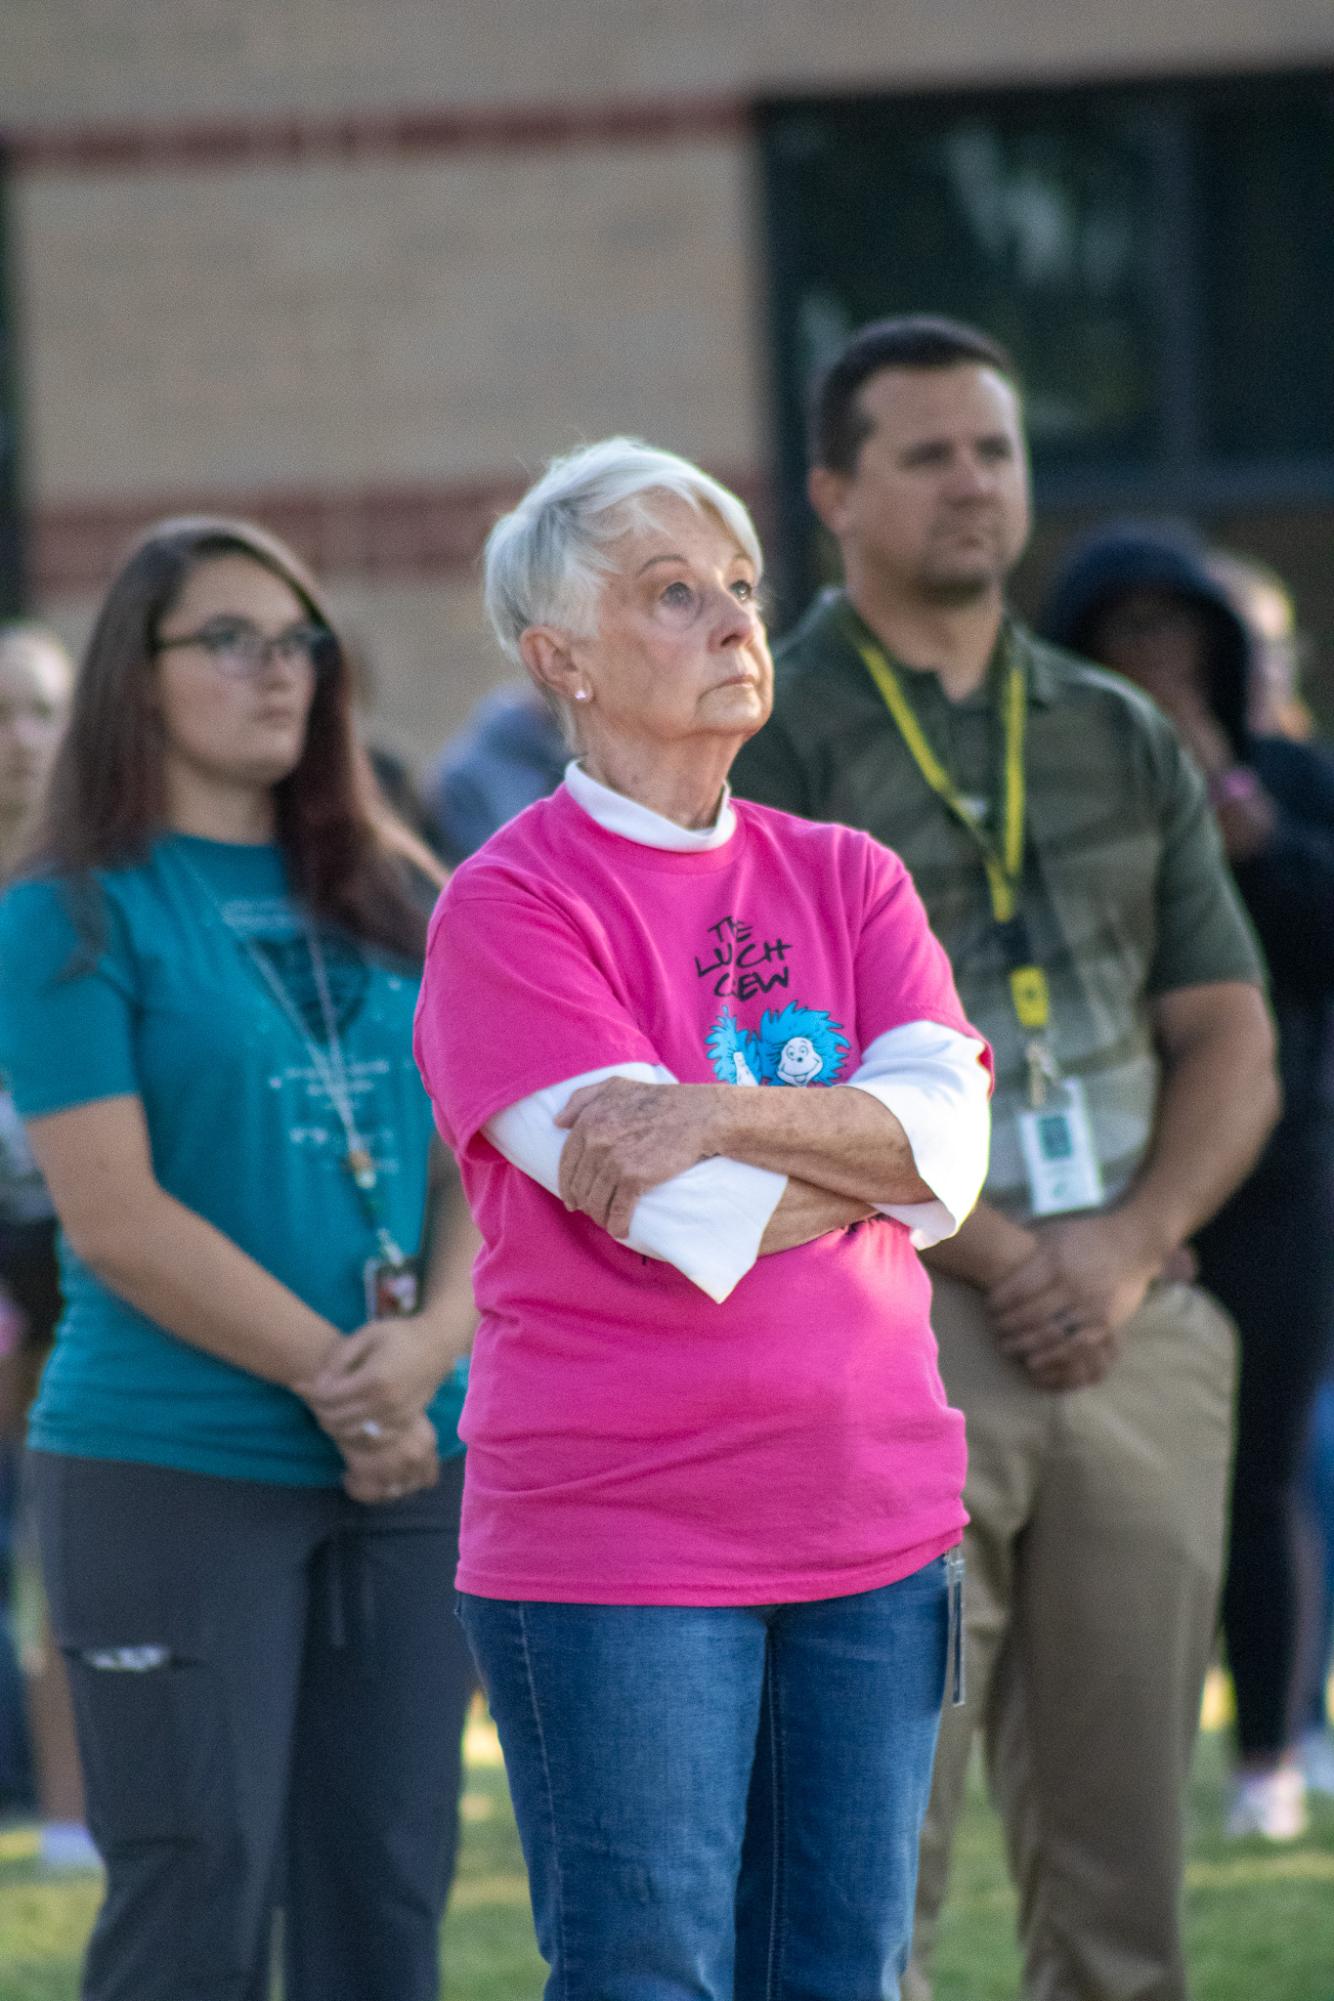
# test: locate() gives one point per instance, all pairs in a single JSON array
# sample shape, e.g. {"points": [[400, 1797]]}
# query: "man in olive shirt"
{"points": [[1063, 846]]}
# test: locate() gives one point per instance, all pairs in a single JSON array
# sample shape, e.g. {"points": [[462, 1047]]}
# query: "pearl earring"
{"points": [[581, 694]]}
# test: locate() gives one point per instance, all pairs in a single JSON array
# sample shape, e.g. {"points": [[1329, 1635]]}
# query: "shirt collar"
{"points": [[633, 822], [1041, 678], [1043, 685]]}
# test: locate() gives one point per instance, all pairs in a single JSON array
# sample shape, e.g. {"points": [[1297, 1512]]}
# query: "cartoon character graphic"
{"points": [[800, 1061], [794, 1045], [730, 1050]]}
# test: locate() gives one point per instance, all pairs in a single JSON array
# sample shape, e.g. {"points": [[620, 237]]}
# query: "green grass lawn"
{"points": [[1260, 1920]]}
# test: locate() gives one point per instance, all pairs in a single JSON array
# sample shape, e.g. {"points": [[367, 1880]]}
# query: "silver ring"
{"points": [[368, 1428]]}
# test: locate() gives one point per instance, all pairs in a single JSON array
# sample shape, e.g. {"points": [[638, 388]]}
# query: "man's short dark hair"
{"points": [[839, 424]]}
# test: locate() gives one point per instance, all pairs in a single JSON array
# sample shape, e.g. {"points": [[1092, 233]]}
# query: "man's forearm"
{"points": [[1218, 1104], [987, 1248]]}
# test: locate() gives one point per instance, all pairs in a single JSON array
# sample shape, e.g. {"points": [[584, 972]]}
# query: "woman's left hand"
{"points": [[626, 1138], [403, 1462], [377, 1380]]}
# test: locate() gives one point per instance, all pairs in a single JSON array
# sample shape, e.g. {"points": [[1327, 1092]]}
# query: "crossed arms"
{"points": [[708, 1177]]}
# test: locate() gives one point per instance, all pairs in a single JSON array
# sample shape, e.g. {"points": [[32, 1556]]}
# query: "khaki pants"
{"points": [[1094, 1557]]}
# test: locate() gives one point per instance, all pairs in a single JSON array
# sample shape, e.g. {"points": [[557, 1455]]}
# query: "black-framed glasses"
{"points": [[241, 651]]}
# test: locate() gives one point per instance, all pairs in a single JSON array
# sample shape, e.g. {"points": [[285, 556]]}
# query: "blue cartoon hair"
{"points": [[729, 1042], [778, 1029]]}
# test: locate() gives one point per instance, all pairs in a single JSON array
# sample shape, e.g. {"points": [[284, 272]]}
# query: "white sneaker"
{"points": [[1270, 1804], [1315, 1755], [65, 1848]]}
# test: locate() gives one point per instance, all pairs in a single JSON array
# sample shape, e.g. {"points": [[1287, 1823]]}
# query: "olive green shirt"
{"points": [[1125, 890]]}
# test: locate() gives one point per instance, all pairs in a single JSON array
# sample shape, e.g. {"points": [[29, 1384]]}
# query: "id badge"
{"points": [[1057, 1142], [393, 1289]]}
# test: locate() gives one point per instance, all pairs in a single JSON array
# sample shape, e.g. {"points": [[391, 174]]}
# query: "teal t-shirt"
{"points": [[175, 1011]]}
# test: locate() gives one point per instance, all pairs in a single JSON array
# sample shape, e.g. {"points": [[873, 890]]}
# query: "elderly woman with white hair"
{"points": [[709, 1564]]}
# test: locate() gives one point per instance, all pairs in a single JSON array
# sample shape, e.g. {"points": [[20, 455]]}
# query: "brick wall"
{"points": [[405, 321], [105, 60], [355, 268], [370, 356]]}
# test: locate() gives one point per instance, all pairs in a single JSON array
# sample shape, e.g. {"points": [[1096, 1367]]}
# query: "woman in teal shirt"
{"points": [[244, 1454]]}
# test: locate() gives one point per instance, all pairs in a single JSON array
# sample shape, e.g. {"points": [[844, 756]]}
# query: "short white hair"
{"points": [[547, 561]]}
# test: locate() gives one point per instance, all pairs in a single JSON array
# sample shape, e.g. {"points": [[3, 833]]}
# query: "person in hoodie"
{"points": [[1146, 601]]}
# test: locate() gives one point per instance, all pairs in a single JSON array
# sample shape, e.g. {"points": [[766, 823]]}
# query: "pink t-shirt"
{"points": [[629, 1441]]}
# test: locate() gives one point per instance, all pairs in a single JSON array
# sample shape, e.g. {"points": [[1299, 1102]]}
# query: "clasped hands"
{"points": [[1060, 1312], [370, 1396]]}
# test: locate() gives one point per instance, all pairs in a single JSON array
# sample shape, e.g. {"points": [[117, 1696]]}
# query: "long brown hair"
{"points": [[349, 856]]}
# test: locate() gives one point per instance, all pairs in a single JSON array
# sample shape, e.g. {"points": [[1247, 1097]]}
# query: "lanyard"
{"points": [[329, 1065], [1002, 859]]}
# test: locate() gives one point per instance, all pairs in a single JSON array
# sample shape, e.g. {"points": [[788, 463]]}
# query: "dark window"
{"points": [[1159, 258], [1266, 265]]}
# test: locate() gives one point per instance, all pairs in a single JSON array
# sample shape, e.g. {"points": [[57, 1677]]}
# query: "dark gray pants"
{"points": [[269, 1684]]}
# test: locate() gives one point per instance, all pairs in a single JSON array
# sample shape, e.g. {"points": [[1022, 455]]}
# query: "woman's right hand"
{"points": [[626, 1138], [381, 1376], [397, 1463]]}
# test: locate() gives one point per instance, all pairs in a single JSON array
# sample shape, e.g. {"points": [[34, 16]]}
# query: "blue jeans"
{"points": [[720, 1803], [1318, 1502]]}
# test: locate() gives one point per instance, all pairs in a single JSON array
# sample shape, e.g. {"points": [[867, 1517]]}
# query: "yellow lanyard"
{"points": [[1004, 862]]}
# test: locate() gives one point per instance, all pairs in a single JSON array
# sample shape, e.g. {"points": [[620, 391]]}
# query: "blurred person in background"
{"points": [[35, 680], [1278, 708], [509, 753], [243, 1454], [710, 1088], [1278, 647], [1063, 848], [1147, 601]]}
